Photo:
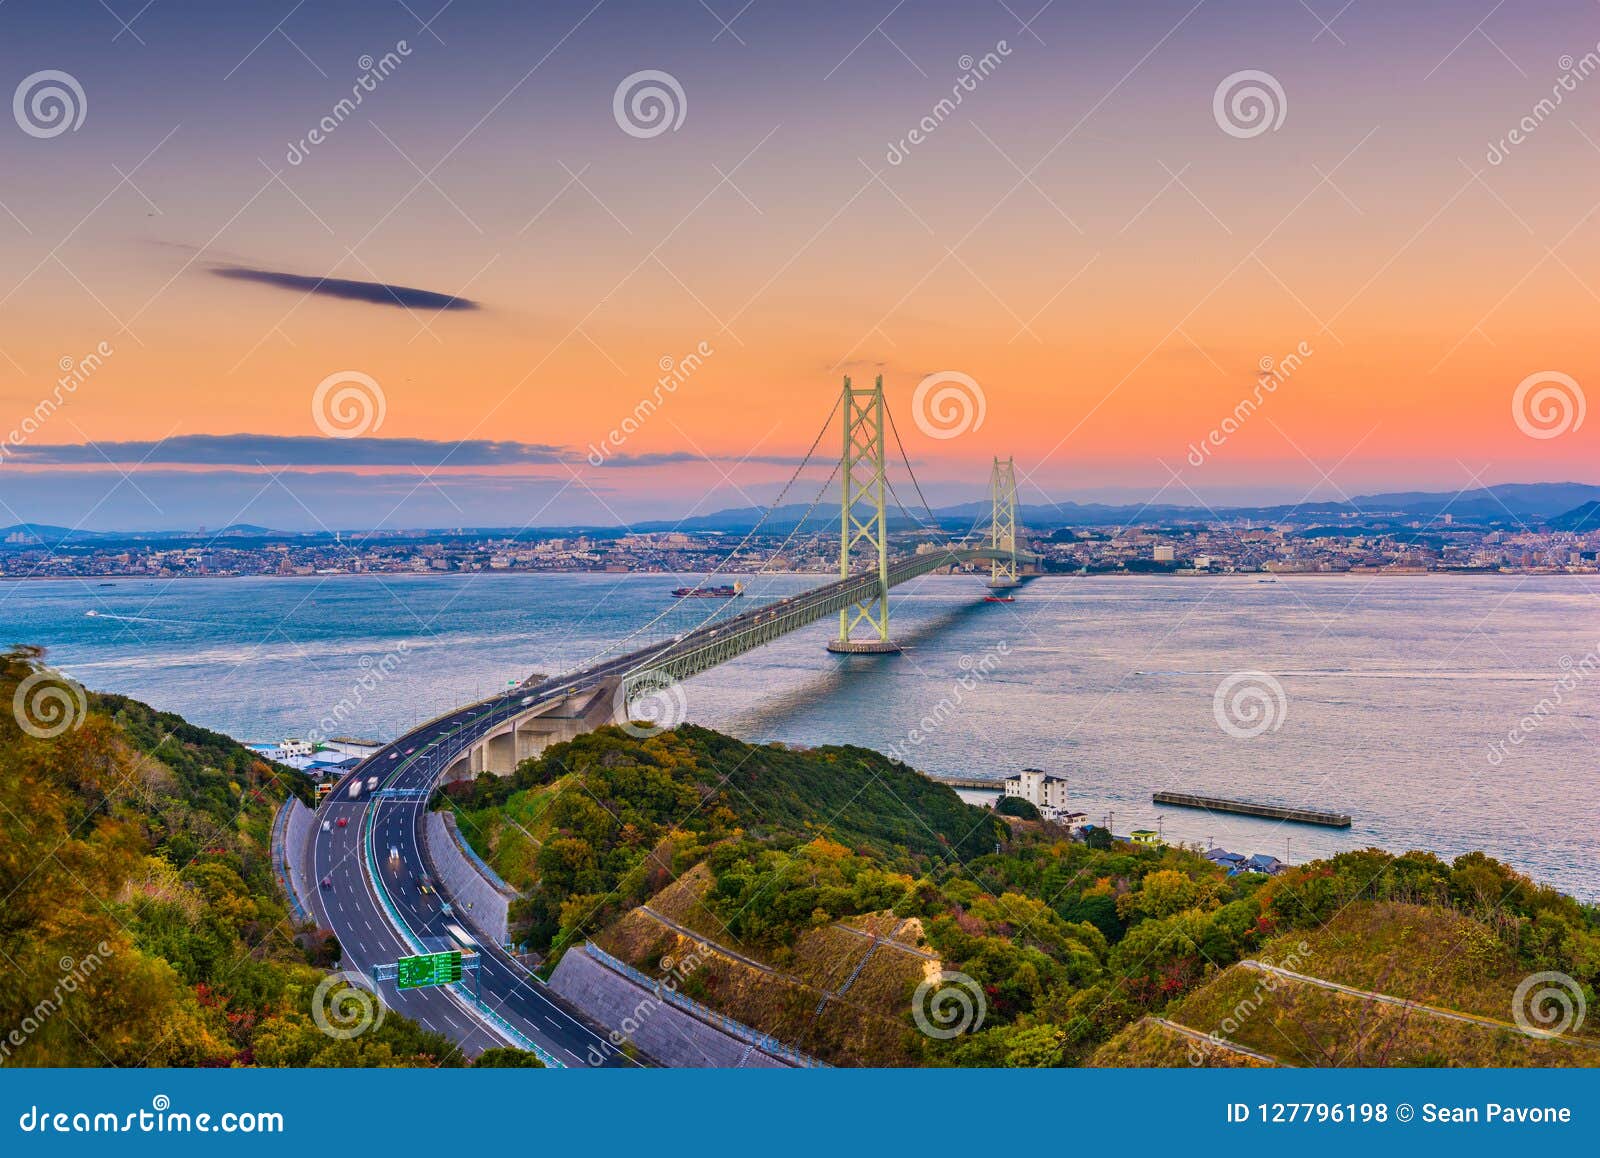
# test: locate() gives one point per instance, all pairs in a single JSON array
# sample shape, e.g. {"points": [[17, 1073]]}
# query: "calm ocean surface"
{"points": [[1396, 688]]}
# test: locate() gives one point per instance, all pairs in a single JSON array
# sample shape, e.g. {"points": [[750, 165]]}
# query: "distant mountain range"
{"points": [[1509, 503], [1564, 506]]}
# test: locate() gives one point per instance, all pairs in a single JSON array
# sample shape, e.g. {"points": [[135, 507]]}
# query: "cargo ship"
{"points": [[708, 592]]}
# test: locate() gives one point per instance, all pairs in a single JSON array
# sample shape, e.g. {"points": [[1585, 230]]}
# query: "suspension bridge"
{"points": [[378, 917], [615, 685]]}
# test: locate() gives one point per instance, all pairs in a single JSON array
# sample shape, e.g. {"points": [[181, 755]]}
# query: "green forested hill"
{"points": [[140, 918], [1061, 945]]}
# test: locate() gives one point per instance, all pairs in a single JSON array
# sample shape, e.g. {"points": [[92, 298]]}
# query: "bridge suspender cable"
{"points": [[681, 600]]}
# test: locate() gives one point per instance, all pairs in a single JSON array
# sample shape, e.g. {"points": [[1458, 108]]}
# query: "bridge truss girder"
{"points": [[746, 632]]}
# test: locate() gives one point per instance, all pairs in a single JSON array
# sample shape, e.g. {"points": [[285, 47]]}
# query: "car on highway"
{"points": [[344, 822], [327, 882], [372, 783], [409, 751], [424, 884], [326, 826], [394, 755]]}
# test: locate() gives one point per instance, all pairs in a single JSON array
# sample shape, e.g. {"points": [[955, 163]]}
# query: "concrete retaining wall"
{"points": [[480, 896], [292, 830], [671, 1035]]}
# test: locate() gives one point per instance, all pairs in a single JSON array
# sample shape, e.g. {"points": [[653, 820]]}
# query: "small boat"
{"points": [[999, 599], [729, 592]]}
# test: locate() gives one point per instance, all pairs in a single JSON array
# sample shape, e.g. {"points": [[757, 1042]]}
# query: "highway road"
{"points": [[375, 906], [373, 901]]}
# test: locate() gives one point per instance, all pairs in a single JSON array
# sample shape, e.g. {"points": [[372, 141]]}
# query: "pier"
{"points": [[1248, 808], [978, 783]]}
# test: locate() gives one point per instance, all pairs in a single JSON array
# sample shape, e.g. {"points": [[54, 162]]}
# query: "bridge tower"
{"points": [[1003, 528], [862, 519]]}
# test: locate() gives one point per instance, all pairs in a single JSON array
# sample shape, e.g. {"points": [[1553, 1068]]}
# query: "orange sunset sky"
{"points": [[1082, 236]]}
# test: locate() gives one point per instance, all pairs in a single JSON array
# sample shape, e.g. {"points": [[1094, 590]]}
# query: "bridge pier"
{"points": [[864, 647]]}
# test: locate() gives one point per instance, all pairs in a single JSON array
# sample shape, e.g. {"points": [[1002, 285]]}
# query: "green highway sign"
{"points": [[428, 969]]}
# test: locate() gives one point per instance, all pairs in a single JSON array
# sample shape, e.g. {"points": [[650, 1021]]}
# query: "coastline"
{"points": [[1257, 576]]}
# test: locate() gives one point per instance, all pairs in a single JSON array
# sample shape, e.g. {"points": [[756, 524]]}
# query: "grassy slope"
{"points": [[1433, 956]]}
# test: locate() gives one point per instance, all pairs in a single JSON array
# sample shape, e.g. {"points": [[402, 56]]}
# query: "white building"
{"points": [[291, 749], [349, 746], [1045, 791]]}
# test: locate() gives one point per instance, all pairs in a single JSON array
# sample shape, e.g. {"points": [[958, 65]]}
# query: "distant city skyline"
{"points": [[1196, 252]]}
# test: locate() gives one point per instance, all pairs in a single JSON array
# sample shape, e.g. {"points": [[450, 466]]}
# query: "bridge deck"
{"points": [[717, 643]]}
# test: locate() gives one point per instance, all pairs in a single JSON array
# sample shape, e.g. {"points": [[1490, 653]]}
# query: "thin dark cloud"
{"points": [[673, 457], [373, 292], [311, 450], [294, 450]]}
